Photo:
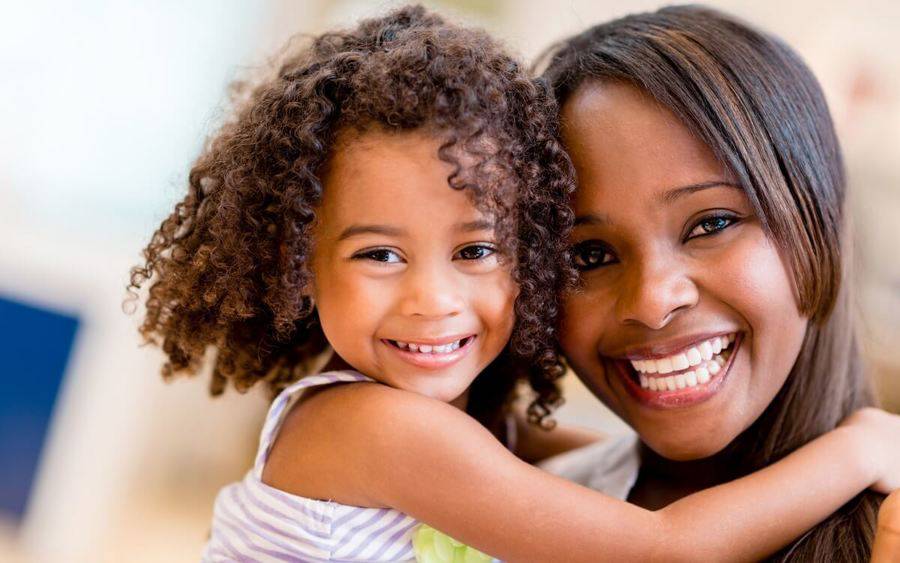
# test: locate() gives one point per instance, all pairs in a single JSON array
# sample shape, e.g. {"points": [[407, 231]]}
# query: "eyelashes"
{"points": [[475, 252], [711, 224], [381, 255], [471, 252], [593, 254]]}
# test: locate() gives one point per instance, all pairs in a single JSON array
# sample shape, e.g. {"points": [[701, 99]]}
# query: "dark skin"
{"points": [[662, 481]]}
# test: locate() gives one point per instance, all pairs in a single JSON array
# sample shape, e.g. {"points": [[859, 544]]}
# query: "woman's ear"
{"points": [[887, 537]]}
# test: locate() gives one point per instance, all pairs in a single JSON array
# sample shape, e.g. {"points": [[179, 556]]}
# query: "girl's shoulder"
{"points": [[331, 440]]}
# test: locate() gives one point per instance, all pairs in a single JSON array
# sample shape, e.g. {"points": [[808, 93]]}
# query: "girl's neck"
{"points": [[662, 481]]}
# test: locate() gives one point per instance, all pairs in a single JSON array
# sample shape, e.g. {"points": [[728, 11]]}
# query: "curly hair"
{"points": [[227, 267]]}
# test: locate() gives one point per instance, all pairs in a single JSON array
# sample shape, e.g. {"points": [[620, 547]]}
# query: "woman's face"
{"points": [[686, 323]]}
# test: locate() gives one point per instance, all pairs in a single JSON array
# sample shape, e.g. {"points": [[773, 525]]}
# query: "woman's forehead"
{"points": [[625, 144]]}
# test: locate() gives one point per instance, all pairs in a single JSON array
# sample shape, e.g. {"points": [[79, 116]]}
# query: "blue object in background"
{"points": [[35, 345]]}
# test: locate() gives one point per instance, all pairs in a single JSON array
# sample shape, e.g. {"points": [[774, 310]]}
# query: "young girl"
{"points": [[397, 195]]}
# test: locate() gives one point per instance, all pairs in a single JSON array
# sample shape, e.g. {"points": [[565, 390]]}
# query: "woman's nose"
{"points": [[432, 291], [654, 291]]}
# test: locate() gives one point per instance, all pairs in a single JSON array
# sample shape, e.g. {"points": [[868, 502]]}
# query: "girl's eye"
{"points": [[591, 254], [711, 225], [383, 255], [475, 252]]}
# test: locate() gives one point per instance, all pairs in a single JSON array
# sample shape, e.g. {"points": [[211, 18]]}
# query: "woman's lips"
{"points": [[435, 355], [682, 379]]}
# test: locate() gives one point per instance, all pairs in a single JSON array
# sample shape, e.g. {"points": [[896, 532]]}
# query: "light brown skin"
{"points": [[422, 263], [886, 548], [402, 444]]}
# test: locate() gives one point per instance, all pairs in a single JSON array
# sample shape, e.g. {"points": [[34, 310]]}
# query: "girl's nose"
{"points": [[654, 291], [432, 292]]}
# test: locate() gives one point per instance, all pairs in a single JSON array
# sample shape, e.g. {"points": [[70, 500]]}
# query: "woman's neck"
{"points": [[662, 481]]}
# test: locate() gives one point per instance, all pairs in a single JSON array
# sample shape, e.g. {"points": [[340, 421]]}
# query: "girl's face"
{"points": [[686, 324], [407, 282]]}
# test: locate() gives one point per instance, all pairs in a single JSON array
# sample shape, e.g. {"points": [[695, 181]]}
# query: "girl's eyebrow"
{"points": [[356, 230], [673, 194], [478, 225]]}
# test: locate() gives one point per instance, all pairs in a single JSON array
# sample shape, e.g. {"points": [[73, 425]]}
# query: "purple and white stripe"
{"points": [[255, 522]]}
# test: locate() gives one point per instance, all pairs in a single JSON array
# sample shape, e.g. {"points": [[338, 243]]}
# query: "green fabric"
{"points": [[432, 546]]}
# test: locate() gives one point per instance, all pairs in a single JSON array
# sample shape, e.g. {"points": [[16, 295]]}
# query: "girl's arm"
{"points": [[371, 445]]}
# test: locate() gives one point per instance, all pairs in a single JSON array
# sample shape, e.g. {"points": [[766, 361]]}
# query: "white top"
{"points": [[255, 522], [610, 466]]}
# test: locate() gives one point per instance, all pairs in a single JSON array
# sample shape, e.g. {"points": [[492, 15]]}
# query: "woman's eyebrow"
{"points": [[670, 196], [592, 219]]}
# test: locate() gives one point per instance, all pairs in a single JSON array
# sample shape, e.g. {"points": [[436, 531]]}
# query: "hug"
{"points": [[409, 238]]}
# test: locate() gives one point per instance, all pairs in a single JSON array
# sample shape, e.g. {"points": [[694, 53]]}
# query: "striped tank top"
{"points": [[255, 522]]}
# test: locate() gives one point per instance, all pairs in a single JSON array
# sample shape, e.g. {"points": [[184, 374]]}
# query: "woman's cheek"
{"points": [[753, 280]]}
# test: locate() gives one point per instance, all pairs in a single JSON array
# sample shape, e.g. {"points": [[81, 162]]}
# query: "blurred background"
{"points": [[103, 107]]}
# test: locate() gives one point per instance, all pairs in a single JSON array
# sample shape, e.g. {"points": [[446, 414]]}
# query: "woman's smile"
{"points": [[685, 322], [682, 378]]}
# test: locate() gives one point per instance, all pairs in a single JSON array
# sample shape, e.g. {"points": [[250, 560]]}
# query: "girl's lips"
{"points": [[431, 360], [679, 398]]}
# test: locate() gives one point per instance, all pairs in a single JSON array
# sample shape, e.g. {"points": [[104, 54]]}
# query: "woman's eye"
{"points": [[475, 252], [711, 225], [383, 255], [591, 254]]}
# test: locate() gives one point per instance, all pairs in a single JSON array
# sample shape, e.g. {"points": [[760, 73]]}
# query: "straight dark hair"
{"points": [[754, 102]]}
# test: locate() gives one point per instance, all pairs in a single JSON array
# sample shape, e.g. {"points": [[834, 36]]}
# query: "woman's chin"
{"points": [[678, 447]]}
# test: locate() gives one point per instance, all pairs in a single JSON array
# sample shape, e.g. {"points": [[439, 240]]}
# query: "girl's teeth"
{"points": [[429, 348]]}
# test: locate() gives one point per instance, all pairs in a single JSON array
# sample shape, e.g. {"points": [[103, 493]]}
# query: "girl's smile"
{"points": [[408, 281], [435, 353]]}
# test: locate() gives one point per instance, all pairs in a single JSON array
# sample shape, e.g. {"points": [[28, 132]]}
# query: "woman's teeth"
{"points": [[429, 348], [705, 359]]}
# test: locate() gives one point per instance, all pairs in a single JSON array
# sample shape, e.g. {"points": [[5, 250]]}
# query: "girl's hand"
{"points": [[880, 432], [887, 538]]}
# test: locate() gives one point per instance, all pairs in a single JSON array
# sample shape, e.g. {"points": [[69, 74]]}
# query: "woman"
{"points": [[710, 223]]}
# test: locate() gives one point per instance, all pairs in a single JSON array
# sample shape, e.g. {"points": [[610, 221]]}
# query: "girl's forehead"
{"points": [[393, 178]]}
